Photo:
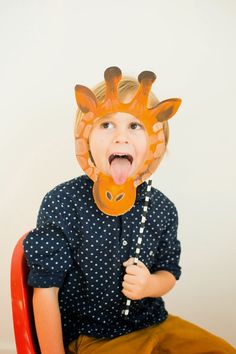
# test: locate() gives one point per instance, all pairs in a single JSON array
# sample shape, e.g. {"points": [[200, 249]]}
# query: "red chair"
{"points": [[21, 295]]}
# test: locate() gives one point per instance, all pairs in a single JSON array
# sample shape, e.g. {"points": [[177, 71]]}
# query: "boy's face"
{"points": [[119, 134]]}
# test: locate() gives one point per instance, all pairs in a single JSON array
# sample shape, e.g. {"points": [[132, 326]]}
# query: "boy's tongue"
{"points": [[120, 168]]}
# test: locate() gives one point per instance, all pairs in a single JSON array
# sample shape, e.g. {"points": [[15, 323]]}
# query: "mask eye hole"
{"points": [[120, 196], [109, 196]]}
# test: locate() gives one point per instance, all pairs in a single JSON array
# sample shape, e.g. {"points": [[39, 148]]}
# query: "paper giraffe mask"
{"points": [[111, 198]]}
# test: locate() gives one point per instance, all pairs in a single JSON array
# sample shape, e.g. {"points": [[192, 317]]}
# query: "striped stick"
{"points": [[125, 311]]}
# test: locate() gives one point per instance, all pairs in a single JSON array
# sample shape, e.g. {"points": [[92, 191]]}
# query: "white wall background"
{"points": [[49, 46]]}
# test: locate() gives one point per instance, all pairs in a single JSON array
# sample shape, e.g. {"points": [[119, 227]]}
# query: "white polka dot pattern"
{"points": [[79, 249]]}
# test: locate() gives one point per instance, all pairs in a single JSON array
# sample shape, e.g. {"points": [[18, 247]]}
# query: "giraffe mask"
{"points": [[112, 198]]}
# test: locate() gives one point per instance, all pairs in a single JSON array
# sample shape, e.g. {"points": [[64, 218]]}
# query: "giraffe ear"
{"points": [[85, 98], [166, 109]]}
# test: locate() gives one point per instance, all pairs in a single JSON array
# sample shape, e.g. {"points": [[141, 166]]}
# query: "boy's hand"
{"points": [[136, 280]]}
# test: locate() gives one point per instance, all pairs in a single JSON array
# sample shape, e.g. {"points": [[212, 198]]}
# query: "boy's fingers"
{"points": [[132, 270], [141, 264], [127, 286], [130, 279], [130, 261], [127, 294]]}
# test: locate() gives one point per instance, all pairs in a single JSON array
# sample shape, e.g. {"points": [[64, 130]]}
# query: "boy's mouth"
{"points": [[120, 156], [121, 164]]}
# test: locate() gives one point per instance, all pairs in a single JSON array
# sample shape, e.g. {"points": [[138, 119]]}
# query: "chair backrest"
{"points": [[21, 296]]}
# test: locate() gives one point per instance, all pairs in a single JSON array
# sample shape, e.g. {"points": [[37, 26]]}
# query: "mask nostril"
{"points": [[120, 196], [109, 196]]}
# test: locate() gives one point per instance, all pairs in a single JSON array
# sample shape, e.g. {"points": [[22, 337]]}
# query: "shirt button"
{"points": [[125, 243], [151, 253]]}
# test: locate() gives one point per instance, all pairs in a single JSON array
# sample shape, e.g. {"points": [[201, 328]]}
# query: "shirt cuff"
{"points": [[38, 279]]}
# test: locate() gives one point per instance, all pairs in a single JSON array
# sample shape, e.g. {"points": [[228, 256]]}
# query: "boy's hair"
{"points": [[127, 85]]}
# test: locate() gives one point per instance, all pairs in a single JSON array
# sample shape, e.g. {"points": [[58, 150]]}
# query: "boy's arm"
{"points": [[139, 282], [48, 320], [160, 283]]}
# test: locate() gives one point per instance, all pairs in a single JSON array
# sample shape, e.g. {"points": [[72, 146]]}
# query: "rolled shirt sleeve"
{"points": [[48, 256], [46, 249], [169, 249]]}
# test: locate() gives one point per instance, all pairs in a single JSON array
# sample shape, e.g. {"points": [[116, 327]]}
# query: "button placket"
{"points": [[124, 240]]}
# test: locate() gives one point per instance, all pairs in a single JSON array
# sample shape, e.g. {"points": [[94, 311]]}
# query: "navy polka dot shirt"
{"points": [[79, 249]]}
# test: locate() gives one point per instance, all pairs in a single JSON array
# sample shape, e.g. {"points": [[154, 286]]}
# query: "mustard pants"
{"points": [[173, 336]]}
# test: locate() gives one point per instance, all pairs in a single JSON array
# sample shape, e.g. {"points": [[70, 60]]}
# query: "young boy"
{"points": [[81, 254]]}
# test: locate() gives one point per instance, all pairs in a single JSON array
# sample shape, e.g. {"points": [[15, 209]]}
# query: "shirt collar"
{"points": [[141, 191]]}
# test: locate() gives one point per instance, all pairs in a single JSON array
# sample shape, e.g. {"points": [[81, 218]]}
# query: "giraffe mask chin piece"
{"points": [[116, 194]]}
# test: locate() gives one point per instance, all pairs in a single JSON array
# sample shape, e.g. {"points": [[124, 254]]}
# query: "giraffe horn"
{"points": [[146, 79], [85, 98], [112, 77]]}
